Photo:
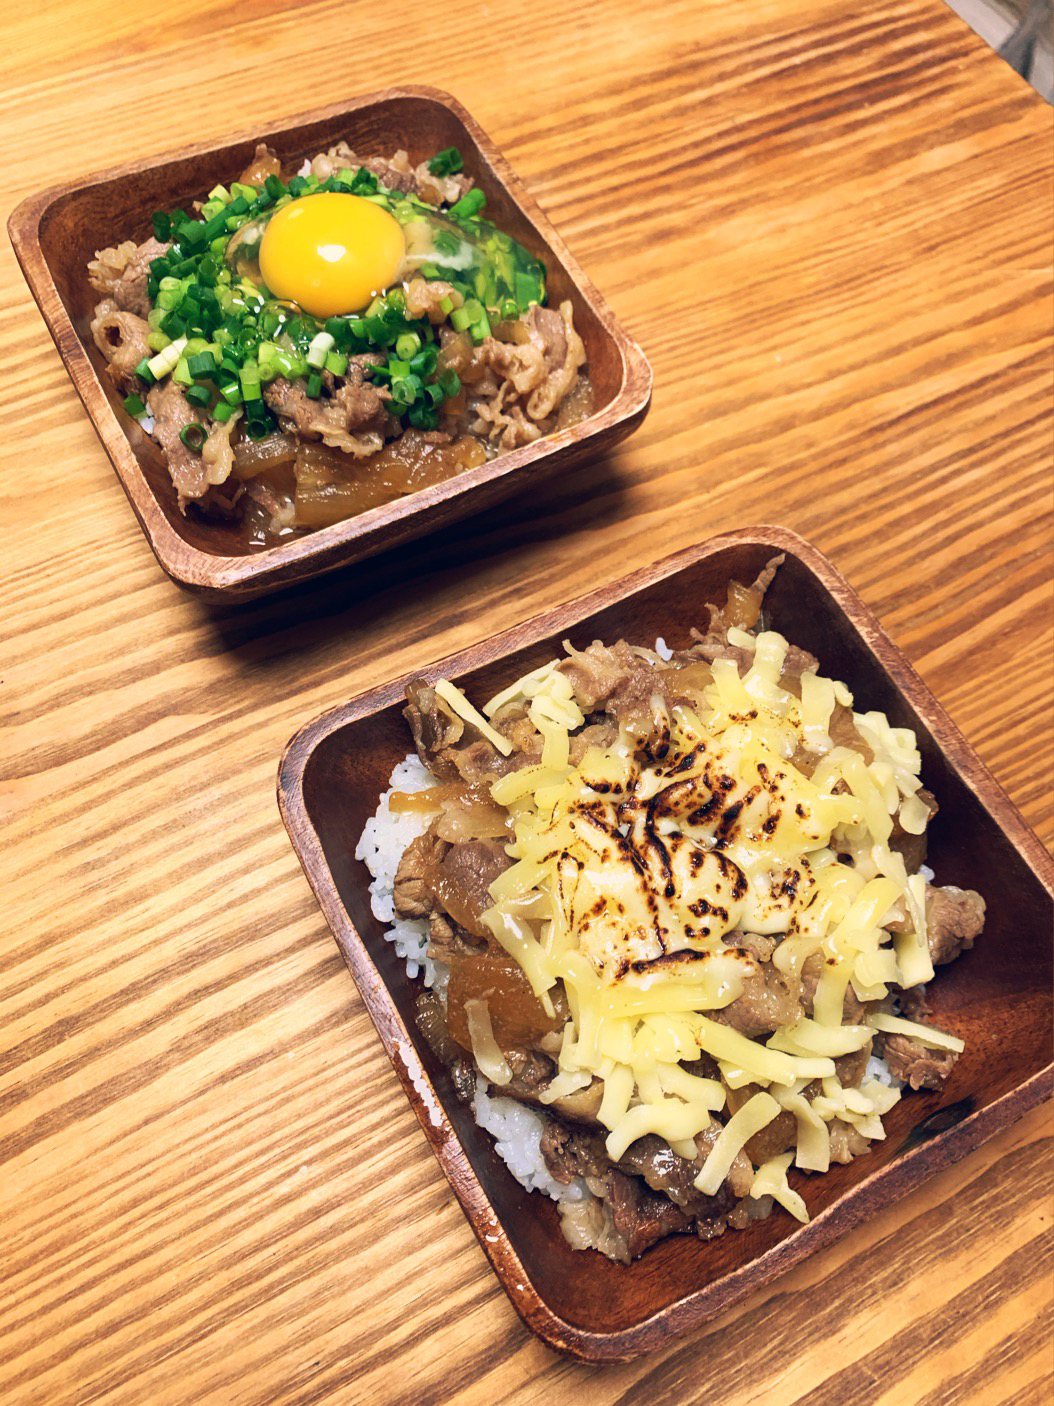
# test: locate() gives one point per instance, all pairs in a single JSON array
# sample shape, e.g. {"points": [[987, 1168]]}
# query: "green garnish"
{"points": [[221, 336], [471, 203], [447, 162], [193, 436]]}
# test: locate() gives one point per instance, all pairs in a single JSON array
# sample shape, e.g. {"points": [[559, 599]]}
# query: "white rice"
{"points": [[877, 1068], [517, 1133], [384, 837], [517, 1130]]}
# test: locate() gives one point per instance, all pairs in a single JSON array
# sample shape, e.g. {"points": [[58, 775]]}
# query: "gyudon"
{"points": [[305, 347], [673, 922]]}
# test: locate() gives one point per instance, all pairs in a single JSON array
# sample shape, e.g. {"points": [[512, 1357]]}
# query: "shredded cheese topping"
{"points": [[638, 871]]}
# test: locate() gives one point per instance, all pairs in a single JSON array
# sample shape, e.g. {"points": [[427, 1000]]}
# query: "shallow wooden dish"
{"points": [[997, 997], [55, 233]]}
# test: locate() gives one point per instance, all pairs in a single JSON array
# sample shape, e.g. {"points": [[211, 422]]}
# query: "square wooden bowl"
{"points": [[55, 233], [997, 996]]}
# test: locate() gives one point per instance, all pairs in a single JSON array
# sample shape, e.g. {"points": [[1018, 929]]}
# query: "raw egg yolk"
{"points": [[331, 253]]}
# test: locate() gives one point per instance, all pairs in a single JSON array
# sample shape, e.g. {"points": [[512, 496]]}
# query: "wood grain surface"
{"points": [[830, 229]]}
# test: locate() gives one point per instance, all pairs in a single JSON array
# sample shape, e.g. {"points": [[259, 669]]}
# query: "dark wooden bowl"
{"points": [[997, 997], [55, 233]]}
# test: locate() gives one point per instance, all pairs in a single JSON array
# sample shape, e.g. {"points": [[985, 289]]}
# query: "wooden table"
{"points": [[830, 229]]}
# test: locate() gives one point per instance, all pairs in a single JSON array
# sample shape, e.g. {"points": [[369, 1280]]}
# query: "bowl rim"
{"points": [[232, 575], [894, 1179]]}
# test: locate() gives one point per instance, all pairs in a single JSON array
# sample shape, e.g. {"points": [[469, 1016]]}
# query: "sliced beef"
{"points": [[664, 1170], [531, 1080], [413, 895], [354, 418], [172, 413], [461, 881], [595, 734], [451, 748], [571, 1151], [431, 1020], [435, 731], [912, 848], [768, 1000], [914, 1005], [395, 173], [912, 1061], [954, 918], [532, 1073], [553, 334], [845, 1141], [424, 298], [778, 1136], [842, 731], [795, 663], [123, 273], [121, 337], [642, 1216], [617, 680], [851, 1068], [853, 1009], [518, 385]]}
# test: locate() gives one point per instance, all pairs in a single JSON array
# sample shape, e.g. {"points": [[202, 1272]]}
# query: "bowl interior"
{"points": [[997, 997], [77, 222]]}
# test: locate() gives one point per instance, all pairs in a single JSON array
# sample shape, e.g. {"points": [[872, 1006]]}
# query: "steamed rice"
{"points": [[516, 1129]]}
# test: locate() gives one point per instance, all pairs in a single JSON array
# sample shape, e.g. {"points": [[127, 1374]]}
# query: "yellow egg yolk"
{"points": [[331, 253]]}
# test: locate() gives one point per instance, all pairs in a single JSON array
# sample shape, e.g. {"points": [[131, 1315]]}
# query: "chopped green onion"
{"points": [[447, 162], [222, 411], [201, 363], [336, 363], [471, 203], [364, 182], [422, 417], [173, 325], [321, 344], [249, 377], [449, 383], [193, 436], [162, 224], [407, 345], [166, 361], [198, 395], [446, 305], [134, 406], [425, 362], [526, 290], [314, 385]]}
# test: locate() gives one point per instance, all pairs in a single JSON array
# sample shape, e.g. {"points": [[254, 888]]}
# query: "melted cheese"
{"points": [[636, 870]]}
